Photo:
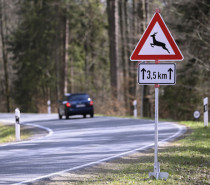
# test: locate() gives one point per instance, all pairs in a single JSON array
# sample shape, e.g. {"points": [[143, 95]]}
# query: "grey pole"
{"points": [[157, 174], [156, 163], [142, 101]]}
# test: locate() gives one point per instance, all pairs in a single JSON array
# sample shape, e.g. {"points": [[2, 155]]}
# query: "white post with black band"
{"points": [[17, 124], [205, 114]]}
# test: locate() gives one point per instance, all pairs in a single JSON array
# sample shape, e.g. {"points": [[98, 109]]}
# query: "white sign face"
{"points": [[157, 35], [162, 73], [196, 114]]}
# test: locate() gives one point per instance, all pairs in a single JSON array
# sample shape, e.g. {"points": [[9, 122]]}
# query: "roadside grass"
{"points": [[7, 133], [187, 161]]}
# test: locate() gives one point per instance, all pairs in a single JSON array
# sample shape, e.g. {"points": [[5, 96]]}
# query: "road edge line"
{"points": [[181, 130], [50, 132]]}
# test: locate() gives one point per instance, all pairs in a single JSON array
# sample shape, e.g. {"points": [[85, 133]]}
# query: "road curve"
{"points": [[76, 143]]}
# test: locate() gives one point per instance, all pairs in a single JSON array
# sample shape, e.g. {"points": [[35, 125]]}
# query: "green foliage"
{"points": [[88, 47], [31, 46], [183, 99], [38, 50], [190, 20]]}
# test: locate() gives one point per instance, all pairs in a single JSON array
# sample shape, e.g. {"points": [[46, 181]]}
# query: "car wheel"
{"points": [[67, 116], [91, 115], [60, 116], [84, 116]]}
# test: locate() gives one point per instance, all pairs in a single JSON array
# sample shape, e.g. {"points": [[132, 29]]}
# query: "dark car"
{"points": [[76, 104]]}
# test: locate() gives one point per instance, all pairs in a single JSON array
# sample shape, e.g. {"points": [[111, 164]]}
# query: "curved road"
{"points": [[76, 143]]}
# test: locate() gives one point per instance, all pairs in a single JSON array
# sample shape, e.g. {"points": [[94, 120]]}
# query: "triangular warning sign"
{"points": [[156, 43]]}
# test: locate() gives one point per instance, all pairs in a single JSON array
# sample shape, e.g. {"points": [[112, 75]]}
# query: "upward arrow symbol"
{"points": [[143, 70], [170, 71]]}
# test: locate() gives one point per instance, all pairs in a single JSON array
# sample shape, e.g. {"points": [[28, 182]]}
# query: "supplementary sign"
{"points": [[162, 73], [156, 43]]}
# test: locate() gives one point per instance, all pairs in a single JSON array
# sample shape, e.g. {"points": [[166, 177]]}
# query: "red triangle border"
{"points": [[176, 57]]}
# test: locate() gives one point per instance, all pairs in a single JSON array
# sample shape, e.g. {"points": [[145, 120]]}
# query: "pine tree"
{"points": [[190, 20], [31, 45]]}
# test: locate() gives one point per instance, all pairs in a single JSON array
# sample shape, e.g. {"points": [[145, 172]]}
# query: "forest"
{"points": [[52, 47]]}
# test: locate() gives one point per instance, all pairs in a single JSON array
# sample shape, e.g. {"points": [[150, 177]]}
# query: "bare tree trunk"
{"points": [[112, 8], [57, 53], [66, 56], [57, 68], [132, 65], [86, 65], [124, 55], [4, 54], [71, 76], [146, 90]]}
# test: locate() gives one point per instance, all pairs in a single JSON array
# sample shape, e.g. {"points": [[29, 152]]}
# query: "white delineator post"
{"points": [[205, 114], [49, 107], [17, 124], [135, 109]]}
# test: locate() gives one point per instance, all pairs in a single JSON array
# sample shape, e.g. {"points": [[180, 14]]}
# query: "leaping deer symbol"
{"points": [[157, 43]]}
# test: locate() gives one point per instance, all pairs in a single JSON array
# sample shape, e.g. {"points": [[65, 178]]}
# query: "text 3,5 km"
{"points": [[156, 75]]}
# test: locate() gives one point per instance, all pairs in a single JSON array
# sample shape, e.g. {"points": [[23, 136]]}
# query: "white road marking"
{"points": [[50, 132], [84, 165], [181, 129]]}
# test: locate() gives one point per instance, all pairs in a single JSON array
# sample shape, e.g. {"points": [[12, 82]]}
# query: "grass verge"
{"points": [[7, 133], [187, 161]]}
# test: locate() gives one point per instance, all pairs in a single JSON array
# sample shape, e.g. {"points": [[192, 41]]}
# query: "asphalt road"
{"points": [[76, 143]]}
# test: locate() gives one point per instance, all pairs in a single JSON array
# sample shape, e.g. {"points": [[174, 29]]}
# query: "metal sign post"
{"points": [[157, 174], [157, 44], [156, 163]]}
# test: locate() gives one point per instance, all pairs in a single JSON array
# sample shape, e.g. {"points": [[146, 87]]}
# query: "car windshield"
{"points": [[78, 97]]}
